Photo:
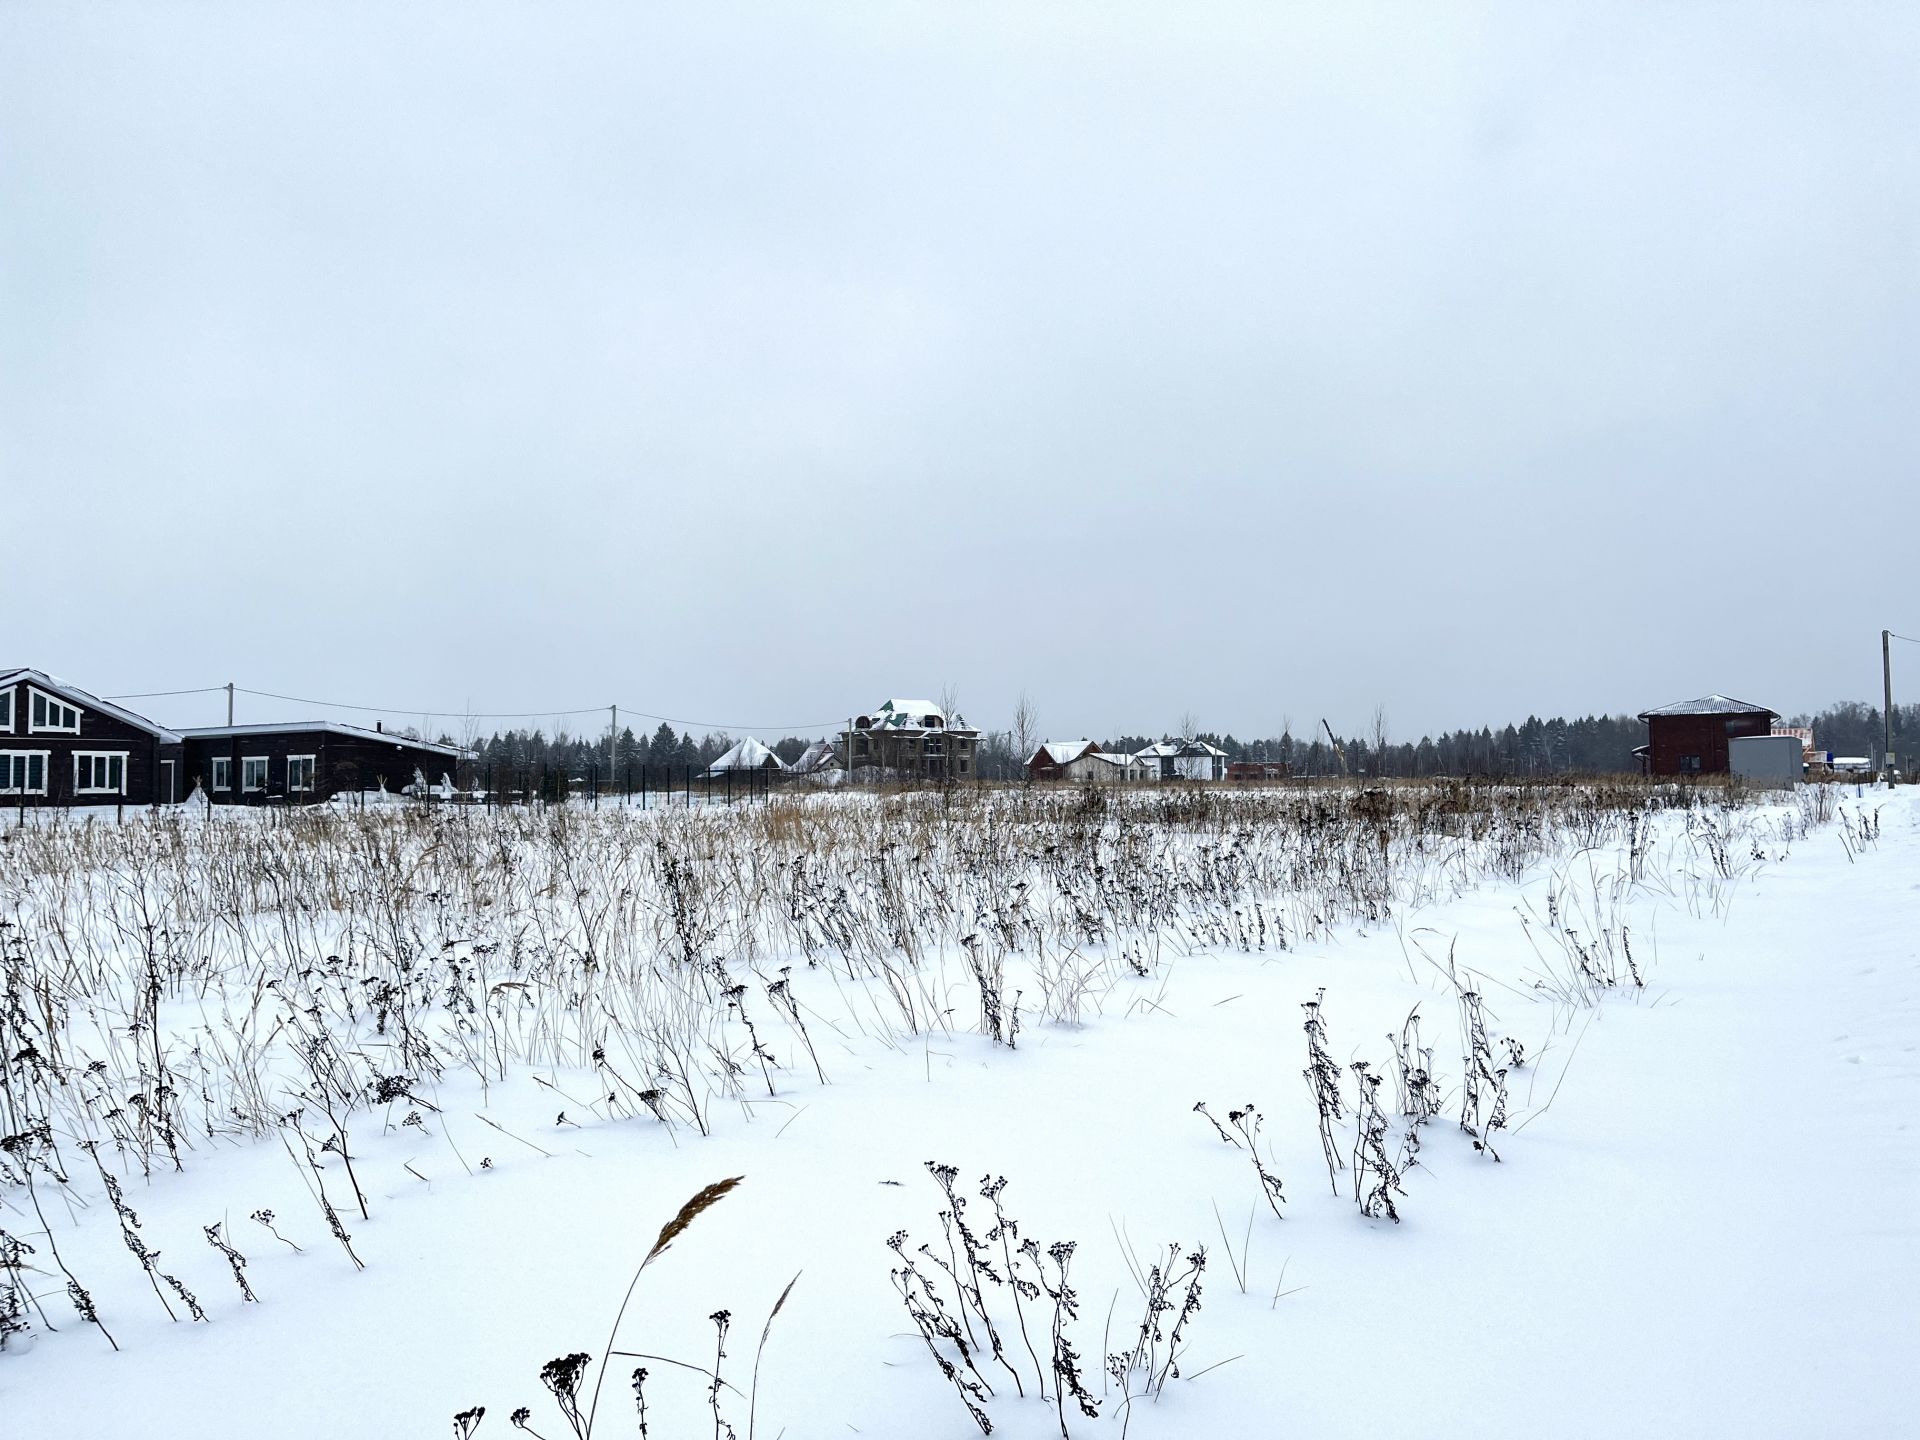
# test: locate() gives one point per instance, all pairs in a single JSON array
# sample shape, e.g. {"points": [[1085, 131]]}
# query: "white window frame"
{"points": [[7, 704], [313, 768], [86, 757], [7, 787], [220, 773], [35, 692], [265, 763]]}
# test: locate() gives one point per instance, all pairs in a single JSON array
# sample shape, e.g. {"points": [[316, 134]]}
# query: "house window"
{"points": [[299, 773], [99, 773], [23, 772], [49, 716], [6, 710], [222, 772], [253, 774], [1690, 763]]}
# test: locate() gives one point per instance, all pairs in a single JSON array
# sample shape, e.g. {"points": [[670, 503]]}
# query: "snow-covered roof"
{"points": [[329, 727], [908, 715], [1708, 705], [54, 685], [1197, 747], [1158, 751], [821, 755], [748, 754], [1060, 752], [913, 715], [1112, 757]]}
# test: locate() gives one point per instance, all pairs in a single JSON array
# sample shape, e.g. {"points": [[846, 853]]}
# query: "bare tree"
{"points": [[1026, 729], [469, 748], [948, 700], [1189, 725], [1380, 737]]}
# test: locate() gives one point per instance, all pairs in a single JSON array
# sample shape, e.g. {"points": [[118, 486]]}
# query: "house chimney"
{"points": [[380, 726]]}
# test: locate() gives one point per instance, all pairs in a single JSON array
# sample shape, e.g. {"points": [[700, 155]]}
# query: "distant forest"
{"points": [[1593, 744]]}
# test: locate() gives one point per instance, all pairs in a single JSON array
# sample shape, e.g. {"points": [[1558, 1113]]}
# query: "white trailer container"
{"points": [[1767, 759]]}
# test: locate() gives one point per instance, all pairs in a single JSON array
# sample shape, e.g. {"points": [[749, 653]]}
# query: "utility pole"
{"points": [[1886, 712], [613, 738], [229, 702]]}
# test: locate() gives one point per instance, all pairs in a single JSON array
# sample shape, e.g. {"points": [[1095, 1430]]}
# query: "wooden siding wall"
{"points": [[1669, 737], [342, 763], [98, 731]]}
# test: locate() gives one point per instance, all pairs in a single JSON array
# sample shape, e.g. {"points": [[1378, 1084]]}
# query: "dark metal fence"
{"points": [[646, 786]]}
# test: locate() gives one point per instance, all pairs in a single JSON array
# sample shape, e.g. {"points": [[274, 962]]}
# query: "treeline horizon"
{"points": [[1592, 744]]}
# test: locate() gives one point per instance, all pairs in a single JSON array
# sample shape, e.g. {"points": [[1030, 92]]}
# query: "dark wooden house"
{"points": [[1257, 772], [60, 745], [1690, 737], [307, 761]]}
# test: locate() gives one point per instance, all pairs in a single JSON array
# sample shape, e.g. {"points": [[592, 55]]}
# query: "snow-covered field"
{"points": [[535, 1035]]}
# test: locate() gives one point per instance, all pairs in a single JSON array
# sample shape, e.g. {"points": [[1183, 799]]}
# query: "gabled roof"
{"points": [[329, 727], [821, 755], [55, 686], [1709, 705], [1062, 752], [1188, 748], [748, 754]]}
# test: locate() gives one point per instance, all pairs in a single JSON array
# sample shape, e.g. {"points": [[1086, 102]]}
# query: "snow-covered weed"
{"points": [[1245, 1134], [187, 981], [566, 1378]]}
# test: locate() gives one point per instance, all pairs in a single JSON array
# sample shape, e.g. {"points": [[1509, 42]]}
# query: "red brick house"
{"points": [[1690, 737]]}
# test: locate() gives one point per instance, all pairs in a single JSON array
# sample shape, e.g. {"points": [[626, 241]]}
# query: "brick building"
{"points": [[1690, 737]]}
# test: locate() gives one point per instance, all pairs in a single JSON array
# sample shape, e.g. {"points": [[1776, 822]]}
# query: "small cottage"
{"points": [[821, 760], [1069, 760], [1691, 737], [1257, 772], [748, 755]]}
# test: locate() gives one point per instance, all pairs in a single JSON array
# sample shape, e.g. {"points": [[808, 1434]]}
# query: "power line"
{"points": [[407, 710], [161, 694], [534, 714], [788, 725], [1908, 638], [476, 714]]}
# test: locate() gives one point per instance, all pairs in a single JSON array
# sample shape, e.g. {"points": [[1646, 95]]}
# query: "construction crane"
{"points": [[1338, 753]]}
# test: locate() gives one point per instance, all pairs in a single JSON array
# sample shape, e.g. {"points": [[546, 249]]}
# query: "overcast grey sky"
{"points": [[753, 363]]}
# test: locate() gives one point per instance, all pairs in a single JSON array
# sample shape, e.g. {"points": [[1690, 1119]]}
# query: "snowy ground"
{"points": [[1703, 1221]]}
